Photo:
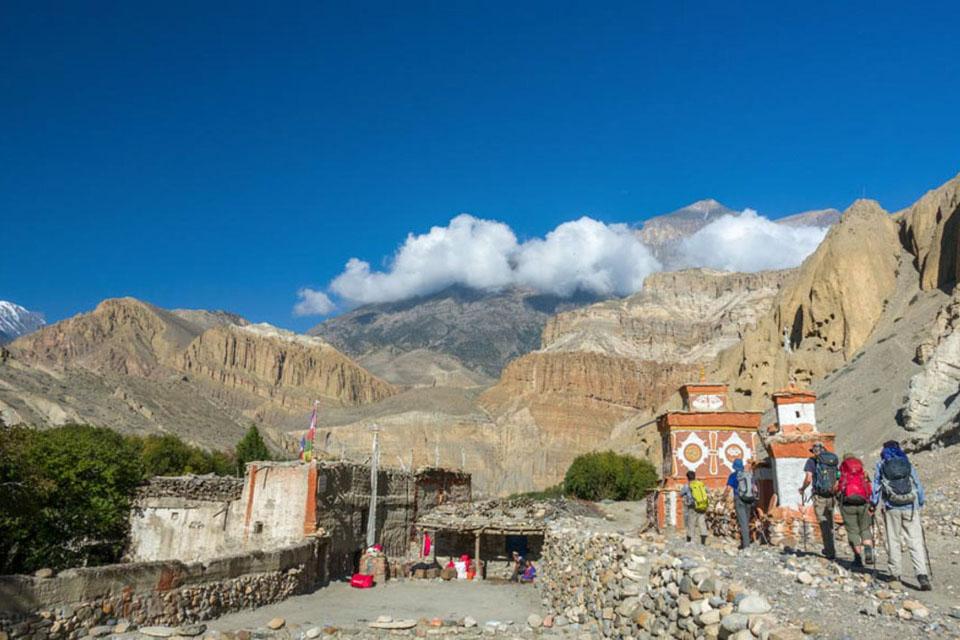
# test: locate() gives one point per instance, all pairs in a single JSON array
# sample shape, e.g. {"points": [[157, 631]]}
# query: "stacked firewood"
{"points": [[722, 520], [722, 517]]}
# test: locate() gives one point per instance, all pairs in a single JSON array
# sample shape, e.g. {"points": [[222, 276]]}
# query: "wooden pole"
{"points": [[372, 514], [476, 554]]}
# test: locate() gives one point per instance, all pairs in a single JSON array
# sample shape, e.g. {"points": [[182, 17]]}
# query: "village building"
{"points": [[279, 504], [705, 436]]}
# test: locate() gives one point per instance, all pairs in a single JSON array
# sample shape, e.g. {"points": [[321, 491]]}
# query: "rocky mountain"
{"points": [[604, 364], [815, 218], [662, 233], [483, 330], [15, 321], [868, 323], [202, 375]]}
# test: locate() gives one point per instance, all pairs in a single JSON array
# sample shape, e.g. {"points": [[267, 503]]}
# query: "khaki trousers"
{"points": [[903, 526], [824, 507], [694, 523]]}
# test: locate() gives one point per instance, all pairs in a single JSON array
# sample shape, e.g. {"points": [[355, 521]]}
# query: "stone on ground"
{"points": [[276, 623], [158, 631], [534, 621], [753, 604]]}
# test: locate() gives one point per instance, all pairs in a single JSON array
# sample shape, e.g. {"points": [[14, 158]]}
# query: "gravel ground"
{"points": [[342, 606]]}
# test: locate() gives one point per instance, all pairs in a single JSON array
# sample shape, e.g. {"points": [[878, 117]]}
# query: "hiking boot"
{"points": [[886, 577], [924, 583], [868, 555], [703, 540], [857, 561]]}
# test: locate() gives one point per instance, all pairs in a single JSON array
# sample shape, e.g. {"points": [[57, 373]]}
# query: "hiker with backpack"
{"points": [[853, 492], [744, 489], [821, 472], [898, 486], [695, 504]]}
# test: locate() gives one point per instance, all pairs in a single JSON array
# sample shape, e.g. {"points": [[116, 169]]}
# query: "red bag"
{"points": [[854, 486], [360, 581]]}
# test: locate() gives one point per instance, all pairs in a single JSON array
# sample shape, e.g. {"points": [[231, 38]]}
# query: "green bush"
{"points": [[609, 476], [168, 455]]}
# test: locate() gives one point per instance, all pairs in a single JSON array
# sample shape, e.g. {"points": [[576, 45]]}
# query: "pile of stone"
{"points": [[521, 514], [618, 587], [206, 487]]}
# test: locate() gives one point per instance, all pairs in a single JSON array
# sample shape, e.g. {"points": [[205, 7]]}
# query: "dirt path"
{"points": [[342, 606]]}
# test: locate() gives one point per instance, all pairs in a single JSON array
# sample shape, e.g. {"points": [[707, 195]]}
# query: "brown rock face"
{"points": [[124, 365], [931, 232], [288, 369], [121, 335], [618, 361], [827, 311]]}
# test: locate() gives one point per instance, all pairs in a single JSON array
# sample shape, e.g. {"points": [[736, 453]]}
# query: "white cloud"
{"points": [[749, 242], [468, 251], [584, 254], [313, 303], [588, 255], [485, 254]]}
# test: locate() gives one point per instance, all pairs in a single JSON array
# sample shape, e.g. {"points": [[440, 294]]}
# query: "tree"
{"points": [[19, 502], [168, 455], [84, 478], [609, 476], [251, 448]]}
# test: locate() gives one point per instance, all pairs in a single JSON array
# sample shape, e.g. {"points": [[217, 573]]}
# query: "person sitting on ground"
{"points": [[462, 565], [822, 472], [695, 503], [853, 492], [529, 573], [898, 485], [517, 566], [742, 485]]}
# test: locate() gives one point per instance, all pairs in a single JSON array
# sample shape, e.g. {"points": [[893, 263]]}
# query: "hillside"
{"points": [[869, 323], [202, 375], [483, 330], [16, 321], [616, 360]]}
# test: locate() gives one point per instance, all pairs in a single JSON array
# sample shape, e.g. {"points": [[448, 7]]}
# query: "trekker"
{"points": [[854, 492], [695, 503], [898, 485], [744, 489], [822, 472]]}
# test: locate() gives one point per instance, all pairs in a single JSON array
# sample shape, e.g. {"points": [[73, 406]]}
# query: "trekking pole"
{"points": [[926, 549], [803, 519]]}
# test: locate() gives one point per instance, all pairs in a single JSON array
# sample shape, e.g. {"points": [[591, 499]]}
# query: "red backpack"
{"points": [[854, 486]]}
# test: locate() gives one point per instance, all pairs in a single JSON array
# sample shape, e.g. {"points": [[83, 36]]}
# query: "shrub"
{"points": [[168, 455], [609, 476]]}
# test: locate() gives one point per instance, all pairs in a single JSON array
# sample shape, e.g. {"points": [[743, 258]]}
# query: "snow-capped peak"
{"points": [[16, 321]]}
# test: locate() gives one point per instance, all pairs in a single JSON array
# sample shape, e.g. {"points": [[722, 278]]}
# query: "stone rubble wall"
{"points": [[207, 487], [615, 586], [74, 601]]}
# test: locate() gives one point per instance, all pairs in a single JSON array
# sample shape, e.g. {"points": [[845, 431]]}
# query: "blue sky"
{"points": [[223, 156]]}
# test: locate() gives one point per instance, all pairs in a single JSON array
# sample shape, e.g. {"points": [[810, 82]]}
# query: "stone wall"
{"points": [[282, 503], [619, 587], [342, 509], [71, 603], [208, 487]]}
